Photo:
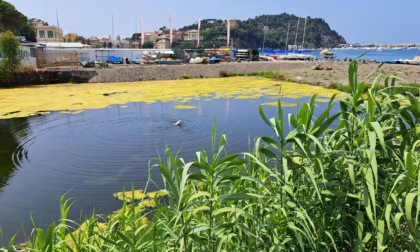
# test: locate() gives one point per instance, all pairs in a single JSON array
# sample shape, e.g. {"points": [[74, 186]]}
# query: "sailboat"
{"points": [[294, 55], [262, 55]]}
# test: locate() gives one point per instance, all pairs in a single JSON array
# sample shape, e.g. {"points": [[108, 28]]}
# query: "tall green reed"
{"points": [[342, 181]]}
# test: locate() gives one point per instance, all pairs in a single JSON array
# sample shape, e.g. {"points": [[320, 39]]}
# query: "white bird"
{"points": [[177, 123]]}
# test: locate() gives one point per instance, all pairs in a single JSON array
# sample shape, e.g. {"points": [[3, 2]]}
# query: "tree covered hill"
{"points": [[11, 19], [250, 33]]}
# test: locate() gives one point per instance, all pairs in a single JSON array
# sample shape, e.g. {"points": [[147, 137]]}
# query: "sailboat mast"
{"points": [[304, 31], [58, 30], [112, 38], [287, 36], [297, 30]]}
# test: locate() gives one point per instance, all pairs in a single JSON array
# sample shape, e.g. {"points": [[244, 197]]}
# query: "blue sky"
{"points": [[358, 21]]}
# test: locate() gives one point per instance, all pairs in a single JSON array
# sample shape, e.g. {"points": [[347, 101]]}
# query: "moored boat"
{"points": [[168, 62], [414, 61], [196, 60], [296, 56], [327, 54]]}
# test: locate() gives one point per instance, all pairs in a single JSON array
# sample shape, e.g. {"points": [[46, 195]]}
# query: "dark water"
{"points": [[91, 155], [98, 152]]}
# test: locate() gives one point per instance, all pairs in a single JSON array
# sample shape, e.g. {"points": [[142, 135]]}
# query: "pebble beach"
{"points": [[329, 73]]}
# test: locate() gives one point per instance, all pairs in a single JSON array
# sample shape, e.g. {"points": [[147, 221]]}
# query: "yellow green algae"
{"points": [[147, 200], [75, 98], [138, 195]]}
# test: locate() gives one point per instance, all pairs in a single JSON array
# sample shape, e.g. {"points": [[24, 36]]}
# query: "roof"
{"points": [[65, 45]]}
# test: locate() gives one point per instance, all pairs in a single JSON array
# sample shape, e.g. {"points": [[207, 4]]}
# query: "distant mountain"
{"points": [[250, 33]]}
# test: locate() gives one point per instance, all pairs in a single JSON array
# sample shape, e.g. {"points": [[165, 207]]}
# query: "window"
{"points": [[50, 34], [41, 34], [33, 52]]}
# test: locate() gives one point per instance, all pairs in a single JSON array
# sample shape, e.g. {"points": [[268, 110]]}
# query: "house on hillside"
{"points": [[72, 37], [192, 35], [46, 33]]}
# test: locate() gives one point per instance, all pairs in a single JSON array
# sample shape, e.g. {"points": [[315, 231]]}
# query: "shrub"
{"points": [[223, 73], [9, 48], [345, 181]]}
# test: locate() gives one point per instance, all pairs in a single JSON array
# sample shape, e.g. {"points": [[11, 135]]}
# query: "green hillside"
{"points": [[250, 33]]}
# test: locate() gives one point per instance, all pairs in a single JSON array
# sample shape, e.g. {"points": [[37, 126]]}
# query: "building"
{"points": [[46, 33], [192, 35], [72, 37], [162, 42]]}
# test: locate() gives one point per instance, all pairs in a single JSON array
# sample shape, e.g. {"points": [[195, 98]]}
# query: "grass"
{"points": [[344, 181]]}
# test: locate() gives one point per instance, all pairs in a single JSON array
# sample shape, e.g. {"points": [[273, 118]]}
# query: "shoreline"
{"points": [[294, 71]]}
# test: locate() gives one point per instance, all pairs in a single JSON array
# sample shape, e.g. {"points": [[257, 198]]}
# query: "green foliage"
{"points": [[148, 44], [344, 181], [11, 19], [9, 48], [249, 33]]}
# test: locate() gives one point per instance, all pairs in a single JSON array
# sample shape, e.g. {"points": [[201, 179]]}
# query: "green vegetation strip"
{"points": [[345, 181]]}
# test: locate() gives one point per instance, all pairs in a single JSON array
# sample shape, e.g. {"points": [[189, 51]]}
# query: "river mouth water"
{"points": [[93, 140]]}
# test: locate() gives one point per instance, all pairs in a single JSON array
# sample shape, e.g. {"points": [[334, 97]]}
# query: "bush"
{"points": [[345, 181], [9, 48], [223, 73]]}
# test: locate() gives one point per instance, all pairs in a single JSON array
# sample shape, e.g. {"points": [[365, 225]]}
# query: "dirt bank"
{"points": [[297, 71]]}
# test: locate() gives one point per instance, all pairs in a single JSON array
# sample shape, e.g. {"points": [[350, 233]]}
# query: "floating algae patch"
{"points": [[138, 195], [130, 195], [26, 101], [284, 104], [183, 106]]}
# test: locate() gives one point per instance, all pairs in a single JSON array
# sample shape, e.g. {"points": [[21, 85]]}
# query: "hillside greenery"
{"points": [[250, 33], [14, 21]]}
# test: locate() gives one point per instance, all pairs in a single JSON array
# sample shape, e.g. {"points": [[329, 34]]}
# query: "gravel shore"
{"points": [[297, 71]]}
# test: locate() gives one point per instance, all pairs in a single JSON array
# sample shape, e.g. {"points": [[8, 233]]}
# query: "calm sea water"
{"points": [[91, 155]]}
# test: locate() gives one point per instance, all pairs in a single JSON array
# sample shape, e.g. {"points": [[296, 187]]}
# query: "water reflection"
{"points": [[12, 152], [98, 152]]}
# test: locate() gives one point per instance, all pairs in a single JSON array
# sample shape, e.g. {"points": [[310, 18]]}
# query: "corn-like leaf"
{"points": [[397, 221], [409, 202], [388, 210], [239, 196], [223, 210], [379, 133], [381, 236]]}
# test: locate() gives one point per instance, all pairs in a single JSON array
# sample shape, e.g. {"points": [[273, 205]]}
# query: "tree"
{"points": [[14, 21], [9, 48], [148, 44]]}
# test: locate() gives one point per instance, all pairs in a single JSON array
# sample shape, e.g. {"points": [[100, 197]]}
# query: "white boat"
{"points": [[414, 61], [267, 58], [196, 60], [296, 56]]}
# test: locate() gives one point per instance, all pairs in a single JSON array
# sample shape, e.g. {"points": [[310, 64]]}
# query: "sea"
{"points": [[378, 55]]}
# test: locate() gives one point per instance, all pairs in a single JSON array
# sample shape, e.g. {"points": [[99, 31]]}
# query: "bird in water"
{"points": [[177, 123]]}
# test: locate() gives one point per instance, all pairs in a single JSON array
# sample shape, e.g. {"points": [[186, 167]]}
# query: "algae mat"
{"points": [[74, 98]]}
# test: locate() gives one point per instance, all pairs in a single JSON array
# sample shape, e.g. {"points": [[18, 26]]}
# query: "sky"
{"points": [[358, 21]]}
